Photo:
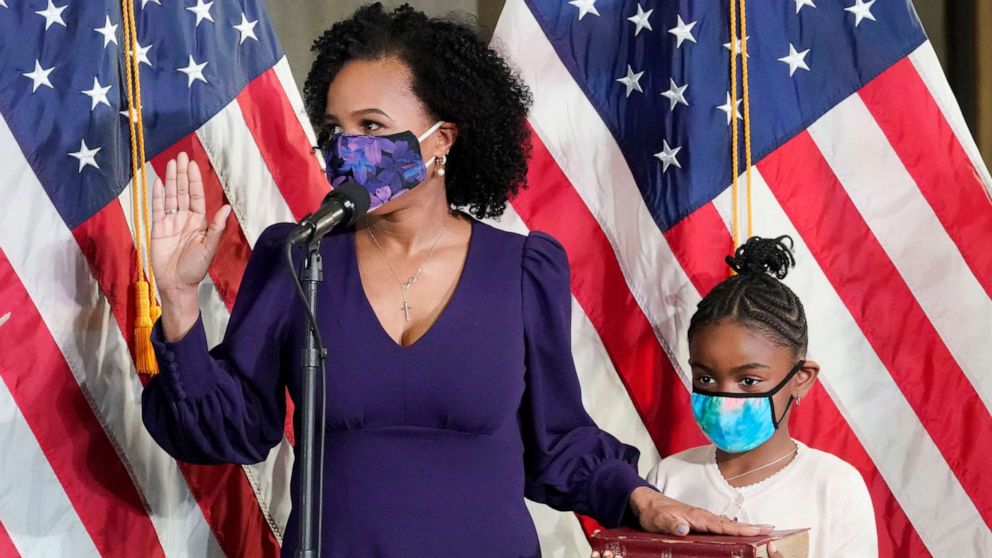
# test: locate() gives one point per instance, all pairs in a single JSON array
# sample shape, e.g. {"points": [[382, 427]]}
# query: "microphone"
{"points": [[343, 206]]}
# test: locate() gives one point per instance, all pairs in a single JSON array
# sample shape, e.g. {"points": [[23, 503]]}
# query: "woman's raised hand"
{"points": [[183, 242]]}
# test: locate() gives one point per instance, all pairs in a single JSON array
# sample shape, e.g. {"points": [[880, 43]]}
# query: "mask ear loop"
{"points": [[776, 389], [437, 125]]}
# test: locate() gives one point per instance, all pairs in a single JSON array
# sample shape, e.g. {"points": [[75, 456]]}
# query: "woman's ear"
{"points": [[444, 139], [805, 378]]}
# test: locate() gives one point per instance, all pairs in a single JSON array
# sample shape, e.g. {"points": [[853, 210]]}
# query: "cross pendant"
{"points": [[406, 309]]}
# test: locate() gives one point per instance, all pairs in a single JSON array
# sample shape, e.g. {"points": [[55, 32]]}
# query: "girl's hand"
{"points": [[772, 551], [658, 513]]}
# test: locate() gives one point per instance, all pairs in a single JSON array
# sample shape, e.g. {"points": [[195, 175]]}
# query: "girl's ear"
{"points": [[805, 378]]}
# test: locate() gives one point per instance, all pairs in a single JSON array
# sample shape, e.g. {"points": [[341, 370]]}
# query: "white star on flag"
{"points": [[667, 156], [861, 10], [144, 2], [631, 81], [143, 53], [193, 71], [737, 45], [675, 94], [682, 31], [801, 3], [795, 60], [52, 15], [109, 32], [640, 20], [726, 108], [246, 28], [98, 94], [585, 7], [39, 76], [202, 11], [3, 4], [86, 156]]}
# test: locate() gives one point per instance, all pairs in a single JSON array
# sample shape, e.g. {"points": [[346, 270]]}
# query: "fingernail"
{"points": [[766, 526], [682, 529], [595, 554]]}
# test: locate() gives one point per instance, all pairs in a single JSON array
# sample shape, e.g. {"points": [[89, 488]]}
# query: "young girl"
{"points": [[747, 350]]}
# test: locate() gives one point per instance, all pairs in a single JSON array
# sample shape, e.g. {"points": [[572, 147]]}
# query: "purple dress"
{"points": [[431, 448]]}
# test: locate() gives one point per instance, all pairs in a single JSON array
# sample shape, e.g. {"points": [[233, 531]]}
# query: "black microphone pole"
{"points": [[312, 364], [345, 205]]}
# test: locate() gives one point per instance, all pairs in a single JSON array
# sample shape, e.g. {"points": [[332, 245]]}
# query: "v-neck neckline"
{"points": [[377, 323]]}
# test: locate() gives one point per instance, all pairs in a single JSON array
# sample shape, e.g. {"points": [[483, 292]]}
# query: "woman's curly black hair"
{"points": [[756, 297], [460, 80]]}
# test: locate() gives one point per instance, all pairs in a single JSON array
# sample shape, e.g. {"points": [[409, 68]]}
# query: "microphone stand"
{"points": [[312, 365]]}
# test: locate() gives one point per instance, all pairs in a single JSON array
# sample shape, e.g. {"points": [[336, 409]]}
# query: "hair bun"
{"points": [[760, 256]]}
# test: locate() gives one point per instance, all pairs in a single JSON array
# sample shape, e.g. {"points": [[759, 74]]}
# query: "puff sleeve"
{"points": [[570, 463]]}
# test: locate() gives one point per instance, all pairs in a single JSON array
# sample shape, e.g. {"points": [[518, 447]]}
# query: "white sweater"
{"points": [[816, 490]]}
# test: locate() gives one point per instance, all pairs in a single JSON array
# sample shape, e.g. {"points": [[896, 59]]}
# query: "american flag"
{"points": [[861, 155], [79, 475]]}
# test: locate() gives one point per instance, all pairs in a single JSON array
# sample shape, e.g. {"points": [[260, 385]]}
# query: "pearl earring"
{"points": [[441, 162]]}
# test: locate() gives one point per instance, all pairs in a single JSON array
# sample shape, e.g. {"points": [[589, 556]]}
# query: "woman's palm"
{"points": [[183, 243]]}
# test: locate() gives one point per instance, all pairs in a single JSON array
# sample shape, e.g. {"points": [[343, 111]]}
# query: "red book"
{"points": [[636, 544]]}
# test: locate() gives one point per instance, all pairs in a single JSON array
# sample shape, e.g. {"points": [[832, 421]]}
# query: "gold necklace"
{"points": [[405, 285]]}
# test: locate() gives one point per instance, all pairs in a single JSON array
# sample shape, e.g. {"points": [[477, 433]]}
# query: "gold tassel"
{"points": [[144, 353]]}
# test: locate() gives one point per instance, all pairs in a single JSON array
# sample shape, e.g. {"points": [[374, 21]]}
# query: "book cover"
{"points": [[636, 544]]}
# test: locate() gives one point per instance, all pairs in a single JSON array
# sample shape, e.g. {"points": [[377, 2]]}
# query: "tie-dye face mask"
{"points": [[739, 422], [386, 166]]}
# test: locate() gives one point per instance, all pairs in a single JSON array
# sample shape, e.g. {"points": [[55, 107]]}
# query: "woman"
{"points": [[451, 389]]}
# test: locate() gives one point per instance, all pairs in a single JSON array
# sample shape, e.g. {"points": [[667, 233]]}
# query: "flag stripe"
{"points": [[112, 260], [68, 433], [884, 308], [7, 548], [887, 198], [924, 59], [33, 506], [284, 146], [600, 287], [873, 404], [288, 84], [818, 423], [241, 172], [700, 242], [33, 235], [918, 132]]}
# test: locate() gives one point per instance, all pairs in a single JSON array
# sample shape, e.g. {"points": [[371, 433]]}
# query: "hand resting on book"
{"points": [[658, 513]]}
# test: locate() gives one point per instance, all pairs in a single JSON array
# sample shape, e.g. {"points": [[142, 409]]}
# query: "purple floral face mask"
{"points": [[387, 166]]}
